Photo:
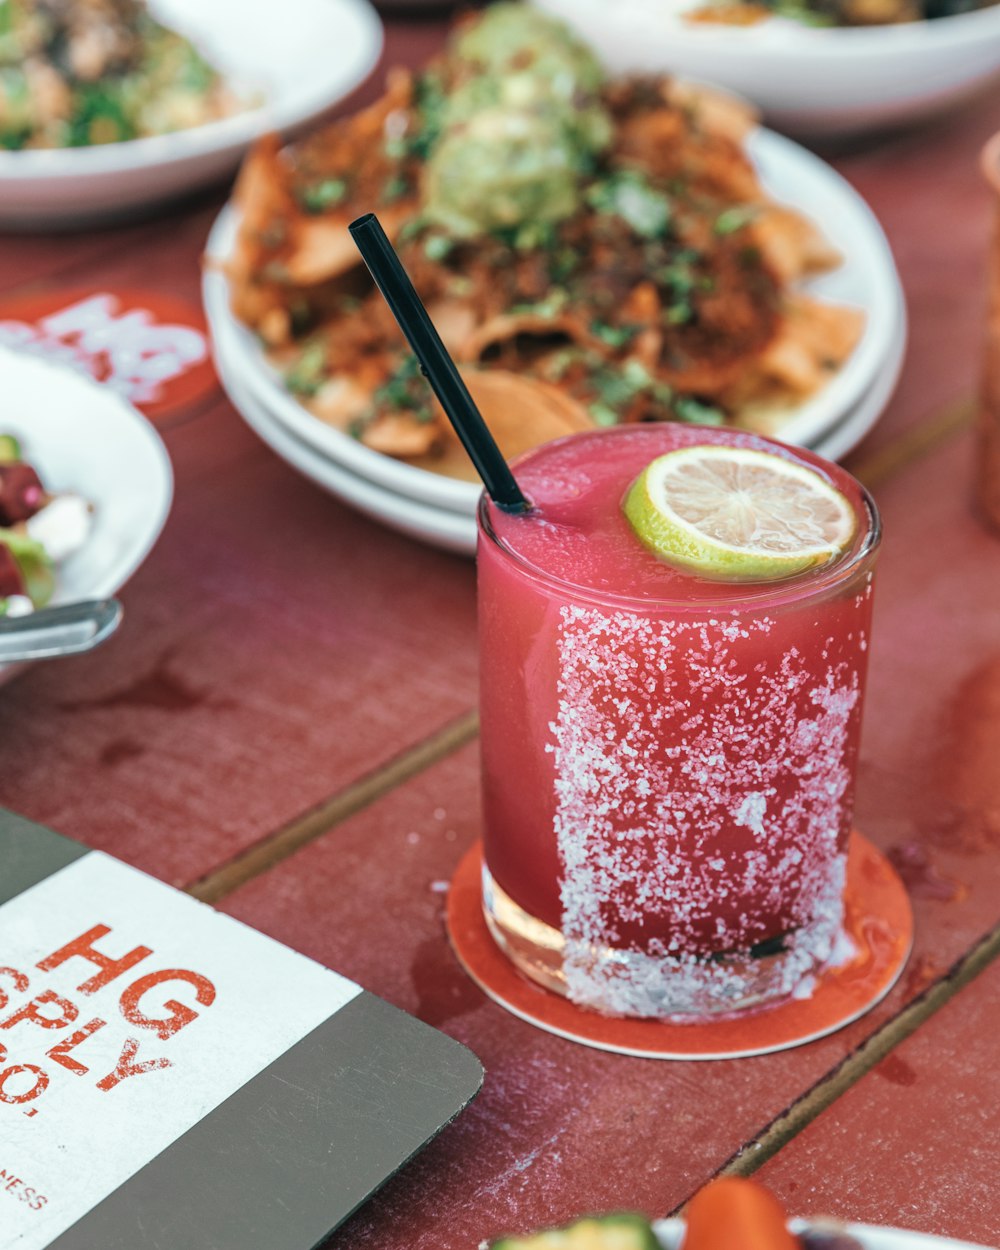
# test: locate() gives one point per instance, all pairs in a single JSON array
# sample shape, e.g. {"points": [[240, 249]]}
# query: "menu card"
{"points": [[170, 1077]]}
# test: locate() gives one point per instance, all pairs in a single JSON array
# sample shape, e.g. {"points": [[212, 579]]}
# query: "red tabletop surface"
{"points": [[914, 1142], [285, 725]]}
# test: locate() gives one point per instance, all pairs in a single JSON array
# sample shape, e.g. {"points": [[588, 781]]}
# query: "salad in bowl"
{"points": [[38, 530]]}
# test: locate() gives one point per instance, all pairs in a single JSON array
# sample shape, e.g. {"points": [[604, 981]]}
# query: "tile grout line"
{"points": [[873, 470], [784, 1127], [317, 821]]}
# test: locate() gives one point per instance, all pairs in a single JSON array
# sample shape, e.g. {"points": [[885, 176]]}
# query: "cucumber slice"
{"points": [[35, 565], [10, 449]]}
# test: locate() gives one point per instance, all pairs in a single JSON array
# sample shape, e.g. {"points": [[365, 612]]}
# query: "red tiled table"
{"points": [[914, 1143], [285, 724]]}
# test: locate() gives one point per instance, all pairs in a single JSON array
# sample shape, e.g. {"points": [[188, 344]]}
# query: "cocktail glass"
{"points": [[668, 760], [987, 459]]}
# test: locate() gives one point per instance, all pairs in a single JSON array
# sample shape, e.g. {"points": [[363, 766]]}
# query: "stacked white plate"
{"points": [[441, 510]]}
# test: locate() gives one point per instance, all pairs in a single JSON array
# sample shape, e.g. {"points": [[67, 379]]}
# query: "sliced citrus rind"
{"points": [[738, 513]]}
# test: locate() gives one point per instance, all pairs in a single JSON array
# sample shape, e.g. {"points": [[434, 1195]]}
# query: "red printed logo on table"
{"points": [[152, 348], [128, 1014]]}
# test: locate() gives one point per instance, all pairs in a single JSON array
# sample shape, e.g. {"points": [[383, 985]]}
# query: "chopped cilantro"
{"points": [[797, 11], [613, 336], [394, 189], [614, 388], [100, 117], [437, 246], [732, 219], [618, 385], [681, 280], [679, 313], [550, 306], [562, 262], [410, 229], [14, 140], [528, 236], [603, 414], [195, 72], [323, 195], [406, 389], [678, 275], [308, 373], [559, 364], [431, 103], [637, 375], [687, 408]]}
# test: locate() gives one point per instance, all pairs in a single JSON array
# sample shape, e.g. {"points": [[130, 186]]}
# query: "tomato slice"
{"points": [[732, 1213]]}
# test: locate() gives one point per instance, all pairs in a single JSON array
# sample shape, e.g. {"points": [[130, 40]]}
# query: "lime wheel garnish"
{"points": [[737, 513]]}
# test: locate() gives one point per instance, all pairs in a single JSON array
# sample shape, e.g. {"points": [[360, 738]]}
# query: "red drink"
{"points": [[668, 760]]}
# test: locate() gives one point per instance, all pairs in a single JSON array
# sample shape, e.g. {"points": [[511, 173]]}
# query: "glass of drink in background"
{"points": [[668, 759], [987, 459]]}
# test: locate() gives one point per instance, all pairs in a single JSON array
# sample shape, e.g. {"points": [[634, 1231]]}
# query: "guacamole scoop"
{"points": [[522, 124], [500, 169], [580, 114], [511, 38]]}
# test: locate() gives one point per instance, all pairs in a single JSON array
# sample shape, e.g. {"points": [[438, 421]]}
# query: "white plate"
{"points": [[437, 526], [445, 527], [867, 279], [848, 432], [816, 81], [302, 58], [450, 530], [669, 1232], [84, 438]]}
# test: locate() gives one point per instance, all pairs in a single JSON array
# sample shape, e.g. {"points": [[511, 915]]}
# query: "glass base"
{"points": [[661, 984]]}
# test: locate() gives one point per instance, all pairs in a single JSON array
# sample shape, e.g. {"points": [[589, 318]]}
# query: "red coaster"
{"points": [[149, 346], [877, 918]]}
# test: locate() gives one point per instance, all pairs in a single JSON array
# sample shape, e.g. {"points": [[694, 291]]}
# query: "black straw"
{"points": [[437, 366]]}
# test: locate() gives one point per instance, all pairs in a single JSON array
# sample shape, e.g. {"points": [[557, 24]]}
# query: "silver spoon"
{"points": [[65, 630]]}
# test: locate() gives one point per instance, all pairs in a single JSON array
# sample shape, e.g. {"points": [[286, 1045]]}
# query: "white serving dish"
{"points": [[83, 438], [302, 59], [867, 279], [669, 1234], [851, 429], [807, 80], [456, 531]]}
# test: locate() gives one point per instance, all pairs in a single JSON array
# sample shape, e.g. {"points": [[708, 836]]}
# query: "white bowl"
{"points": [[301, 59], [867, 279], [668, 1233], [83, 438], [806, 79]]}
